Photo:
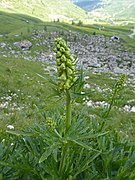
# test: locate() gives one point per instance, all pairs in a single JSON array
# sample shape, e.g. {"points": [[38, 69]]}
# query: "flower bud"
{"points": [[63, 77], [58, 46], [58, 54], [63, 58], [51, 124], [58, 61], [69, 71], [62, 49], [66, 85], [62, 66]]}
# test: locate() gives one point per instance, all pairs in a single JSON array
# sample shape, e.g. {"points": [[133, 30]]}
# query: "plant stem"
{"points": [[68, 124], [63, 158], [110, 106], [68, 109]]}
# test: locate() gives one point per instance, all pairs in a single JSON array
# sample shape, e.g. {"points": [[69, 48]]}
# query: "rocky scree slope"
{"points": [[97, 53]]}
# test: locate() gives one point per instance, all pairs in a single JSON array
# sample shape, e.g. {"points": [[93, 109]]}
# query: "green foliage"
{"points": [[35, 153], [42, 9], [69, 147]]}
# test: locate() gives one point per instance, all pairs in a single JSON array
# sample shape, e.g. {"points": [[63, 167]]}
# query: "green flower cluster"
{"points": [[120, 83], [51, 124], [65, 64]]}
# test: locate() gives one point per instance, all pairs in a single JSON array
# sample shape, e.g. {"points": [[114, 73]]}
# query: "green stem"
{"points": [[68, 109], [63, 158], [110, 106], [68, 124]]}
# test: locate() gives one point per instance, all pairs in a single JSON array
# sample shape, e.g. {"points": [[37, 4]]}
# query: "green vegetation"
{"points": [[114, 11], [60, 9], [16, 23], [20, 91], [71, 127], [49, 144], [26, 24], [20, 77], [109, 11]]}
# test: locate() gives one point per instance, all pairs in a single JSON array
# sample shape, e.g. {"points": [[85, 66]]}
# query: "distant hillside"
{"points": [[87, 5], [44, 9], [109, 10]]}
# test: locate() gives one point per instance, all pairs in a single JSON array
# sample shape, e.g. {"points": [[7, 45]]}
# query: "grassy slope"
{"points": [[17, 24], [10, 23], [41, 8], [28, 92], [21, 75], [20, 78]]}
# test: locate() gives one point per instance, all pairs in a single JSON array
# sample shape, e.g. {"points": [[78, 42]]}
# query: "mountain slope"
{"points": [[117, 9], [87, 5], [107, 10], [44, 9]]}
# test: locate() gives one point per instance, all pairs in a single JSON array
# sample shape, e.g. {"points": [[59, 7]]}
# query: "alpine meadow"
{"points": [[67, 90]]}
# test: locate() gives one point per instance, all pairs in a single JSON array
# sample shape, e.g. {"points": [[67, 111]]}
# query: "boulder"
{"points": [[23, 44]]}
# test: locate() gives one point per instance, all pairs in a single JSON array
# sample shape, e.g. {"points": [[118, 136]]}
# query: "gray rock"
{"points": [[2, 44], [23, 44]]}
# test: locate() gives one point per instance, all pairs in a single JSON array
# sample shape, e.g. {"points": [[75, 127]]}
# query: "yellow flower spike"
{"points": [[65, 65], [66, 76], [119, 84]]}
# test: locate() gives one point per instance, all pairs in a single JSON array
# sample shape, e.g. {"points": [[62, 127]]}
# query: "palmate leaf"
{"points": [[77, 128], [45, 155], [127, 168], [52, 149], [82, 131], [86, 163], [25, 168], [82, 144]]}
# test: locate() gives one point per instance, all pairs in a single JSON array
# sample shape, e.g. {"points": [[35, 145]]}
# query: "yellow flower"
{"points": [[65, 64]]}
